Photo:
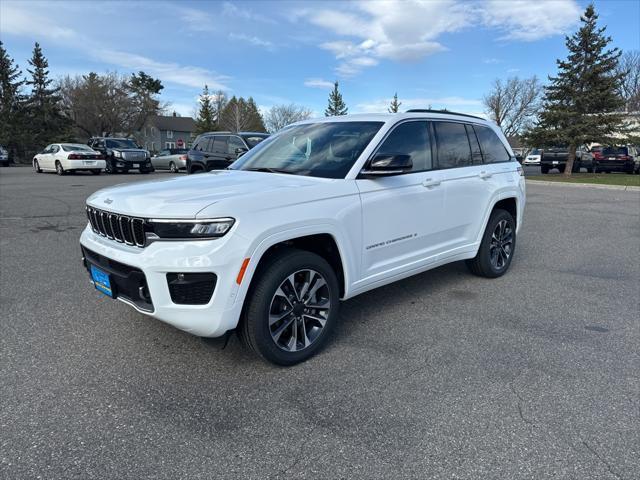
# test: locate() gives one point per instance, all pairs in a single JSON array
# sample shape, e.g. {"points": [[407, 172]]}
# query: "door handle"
{"points": [[431, 182], [485, 175]]}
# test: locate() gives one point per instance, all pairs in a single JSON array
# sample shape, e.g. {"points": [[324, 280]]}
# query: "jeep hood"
{"points": [[184, 197]]}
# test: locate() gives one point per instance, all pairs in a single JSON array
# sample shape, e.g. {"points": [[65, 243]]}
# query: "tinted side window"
{"points": [[493, 150], [234, 144], [476, 153], [219, 144], [453, 145], [410, 138]]}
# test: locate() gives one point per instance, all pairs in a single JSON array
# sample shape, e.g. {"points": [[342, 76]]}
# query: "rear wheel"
{"points": [[292, 307], [497, 246], [95, 172], [59, 169], [36, 166]]}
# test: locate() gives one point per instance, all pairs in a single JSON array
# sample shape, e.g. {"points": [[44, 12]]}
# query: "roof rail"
{"points": [[426, 110]]}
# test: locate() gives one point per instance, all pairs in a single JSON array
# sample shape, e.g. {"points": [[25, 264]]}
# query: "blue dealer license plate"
{"points": [[101, 280]]}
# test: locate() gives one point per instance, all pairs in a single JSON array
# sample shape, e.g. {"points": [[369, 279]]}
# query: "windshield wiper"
{"points": [[269, 170]]}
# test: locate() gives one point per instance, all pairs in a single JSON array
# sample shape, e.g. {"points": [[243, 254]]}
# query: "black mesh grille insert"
{"points": [[191, 288]]}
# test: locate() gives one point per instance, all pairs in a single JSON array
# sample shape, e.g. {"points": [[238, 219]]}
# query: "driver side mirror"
{"points": [[241, 151], [386, 164]]}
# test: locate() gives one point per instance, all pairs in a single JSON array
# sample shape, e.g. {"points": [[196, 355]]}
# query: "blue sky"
{"points": [[440, 52]]}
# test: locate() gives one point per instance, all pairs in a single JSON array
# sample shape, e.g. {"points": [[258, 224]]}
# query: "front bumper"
{"points": [[151, 265]]}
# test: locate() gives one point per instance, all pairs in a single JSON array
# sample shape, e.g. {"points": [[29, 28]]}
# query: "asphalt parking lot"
{"points": [[443, 375]]}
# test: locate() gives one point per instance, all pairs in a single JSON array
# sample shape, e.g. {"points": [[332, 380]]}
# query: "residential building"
{"points": [[170, 131]]}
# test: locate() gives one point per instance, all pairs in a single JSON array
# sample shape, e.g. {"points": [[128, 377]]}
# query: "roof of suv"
{"points": [[234, 133], [386, 117]]}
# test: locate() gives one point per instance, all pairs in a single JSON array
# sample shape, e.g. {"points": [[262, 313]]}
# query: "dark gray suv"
{"points": [[122, 154], [218, 150]]}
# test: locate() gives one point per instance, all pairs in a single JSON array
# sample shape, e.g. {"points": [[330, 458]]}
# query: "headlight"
{"points": [[209, 228], [116, 153]]}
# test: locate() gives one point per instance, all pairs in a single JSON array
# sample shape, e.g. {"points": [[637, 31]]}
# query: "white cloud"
{"points": [[197, 20], [408, 30], [253, 40], [318, 83], [491, 61], [528, 21], [170, 72], [18, 21], [231, 10], [459, 104]]}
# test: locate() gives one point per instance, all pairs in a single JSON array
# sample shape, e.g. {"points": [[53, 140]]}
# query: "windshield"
{"points": [[535, 151], [121, 143], [253, 140], [326, 150], [76, 148]]}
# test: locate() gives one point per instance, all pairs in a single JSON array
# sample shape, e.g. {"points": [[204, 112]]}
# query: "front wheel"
{"points": [[173, 168], [544, 169], [109, 168], [36, 166], [497, 246], [292, 307]]}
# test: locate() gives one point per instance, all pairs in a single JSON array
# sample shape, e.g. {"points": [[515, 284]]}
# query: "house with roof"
{"points": [[167, 131]]}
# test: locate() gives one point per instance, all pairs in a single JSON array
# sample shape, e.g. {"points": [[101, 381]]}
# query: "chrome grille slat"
{"points": [[121, 228]]}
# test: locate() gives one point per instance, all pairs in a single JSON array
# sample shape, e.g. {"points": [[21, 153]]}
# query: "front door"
{"points": [[402, 214]]}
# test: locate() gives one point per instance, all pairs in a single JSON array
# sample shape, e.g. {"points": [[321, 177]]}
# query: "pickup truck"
{"points": [[556, 157]]}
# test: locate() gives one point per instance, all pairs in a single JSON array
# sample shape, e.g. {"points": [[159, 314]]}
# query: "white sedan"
{"points": [[533, 158], [68, 157]]}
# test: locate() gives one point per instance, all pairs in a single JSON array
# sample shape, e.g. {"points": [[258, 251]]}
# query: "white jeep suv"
{"points": [[320, 212]]}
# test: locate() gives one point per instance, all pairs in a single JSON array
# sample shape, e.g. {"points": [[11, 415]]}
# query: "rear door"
{"points": [[469, 183], [402, 214]]}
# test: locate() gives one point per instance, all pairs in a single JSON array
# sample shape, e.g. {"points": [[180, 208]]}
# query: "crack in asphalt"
{"points": [[602, 460]]}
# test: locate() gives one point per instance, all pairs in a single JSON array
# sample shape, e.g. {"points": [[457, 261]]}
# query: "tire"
{"points": [[36, 166], [173, 168], [109, 168], [277, 342], [544, 169], [59, 170], [562, 169], [490, 261], [96, 172]]}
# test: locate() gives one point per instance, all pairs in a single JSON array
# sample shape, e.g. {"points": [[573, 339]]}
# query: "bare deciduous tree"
{"points": [[514, 104], [109, 103], [279, 116], [629, 70]]}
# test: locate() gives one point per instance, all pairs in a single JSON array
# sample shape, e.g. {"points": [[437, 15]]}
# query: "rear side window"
{"points": [[453, 145], [493, 149], [202, 145], [476, 153], [410, 138]]}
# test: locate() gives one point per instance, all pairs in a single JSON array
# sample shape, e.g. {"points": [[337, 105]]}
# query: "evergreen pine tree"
{"points": [[394, 107], [256, 122], [581, 102], [46, 123], [336, 104], [206, 120], [11, 102]]}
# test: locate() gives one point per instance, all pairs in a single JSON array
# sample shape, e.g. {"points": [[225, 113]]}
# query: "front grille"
{"points": [[134, 156], [121, 228], [191, 288]]}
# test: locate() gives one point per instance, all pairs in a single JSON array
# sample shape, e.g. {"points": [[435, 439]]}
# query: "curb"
{"points": [[630, 188]]}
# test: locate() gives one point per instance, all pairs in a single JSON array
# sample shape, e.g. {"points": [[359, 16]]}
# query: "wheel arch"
{"points": [[324, 244]]}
